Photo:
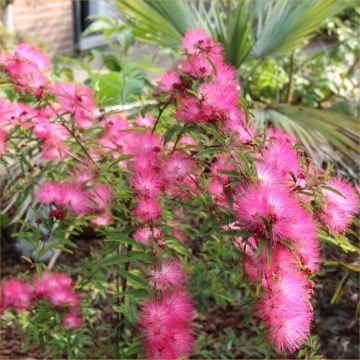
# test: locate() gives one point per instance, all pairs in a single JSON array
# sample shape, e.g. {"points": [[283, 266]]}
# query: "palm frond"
{"points": [[283, 25], [325, 134]]}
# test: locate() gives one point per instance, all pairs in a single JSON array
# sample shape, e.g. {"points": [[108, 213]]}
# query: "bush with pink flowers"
{"points": [[160, 188]]}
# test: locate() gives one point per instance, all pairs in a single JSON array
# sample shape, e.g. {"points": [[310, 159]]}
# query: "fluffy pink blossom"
{"points": [[15, 294], [170, 275], [217, 99], [281, 156], [74, 198], [102, 219], [48, 130], [197, 66], [281, 135], [150, 162], [286, 311], [268, 175], [83, 174], [179, 235], [49, 192], [177, 166], [146, 184], [100, 197], [266, 210], [52, 150], [147, 210], [2, 141], [144, 235], [51, 282], [188, 109], [165, 326], [77, 100], [71, 320], [197, 41], [168, 81], [146, 120], [63, 297], [217, 193], [29, 53], [338, 211]]}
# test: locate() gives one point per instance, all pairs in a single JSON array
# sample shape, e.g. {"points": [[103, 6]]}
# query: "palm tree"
{"points": [[256, 30]]}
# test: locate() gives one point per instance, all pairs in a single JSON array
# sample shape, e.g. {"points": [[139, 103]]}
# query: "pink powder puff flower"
{"points": [[146, 184], [63, 297], [99, 197], [114, 124], [187, 140], [175, 308], [197, 66], [147, 162], [188, 109], [260, 204], [2, 141], [48, 130], [147, 210], [216, 190], [338, 211], [103, 219], [74, 198], [52, 150], [83, 174], [179, 235], [71, 320], [303, 234], [51, 282], [49, 192], [178, 166], [170, 343], [27, 77], [146, 120], [145, 142], [169, 275], [29, 53], [218, 97], [225, 74], [181, 304], [282, 157], [286, 310], [281, 135], [15, 294], [168, 81], [77, 100], [268, 175], [144, 235], [197, 41]]}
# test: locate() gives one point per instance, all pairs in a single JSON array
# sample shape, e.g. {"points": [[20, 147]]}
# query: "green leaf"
{"points": [[260, 247]]}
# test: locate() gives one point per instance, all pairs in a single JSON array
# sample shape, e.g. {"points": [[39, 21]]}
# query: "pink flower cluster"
{"points": [[57, 288], [80, 195], [27, 67], [166, 316]]}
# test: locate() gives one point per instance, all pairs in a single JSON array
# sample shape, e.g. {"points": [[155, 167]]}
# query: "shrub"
{"points": [[140, 182]]}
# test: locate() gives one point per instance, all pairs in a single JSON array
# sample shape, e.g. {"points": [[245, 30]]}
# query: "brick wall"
{"points": [[49, 22]]}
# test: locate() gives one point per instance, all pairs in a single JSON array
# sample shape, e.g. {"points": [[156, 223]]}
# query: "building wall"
{"points": [[48, 21]]}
